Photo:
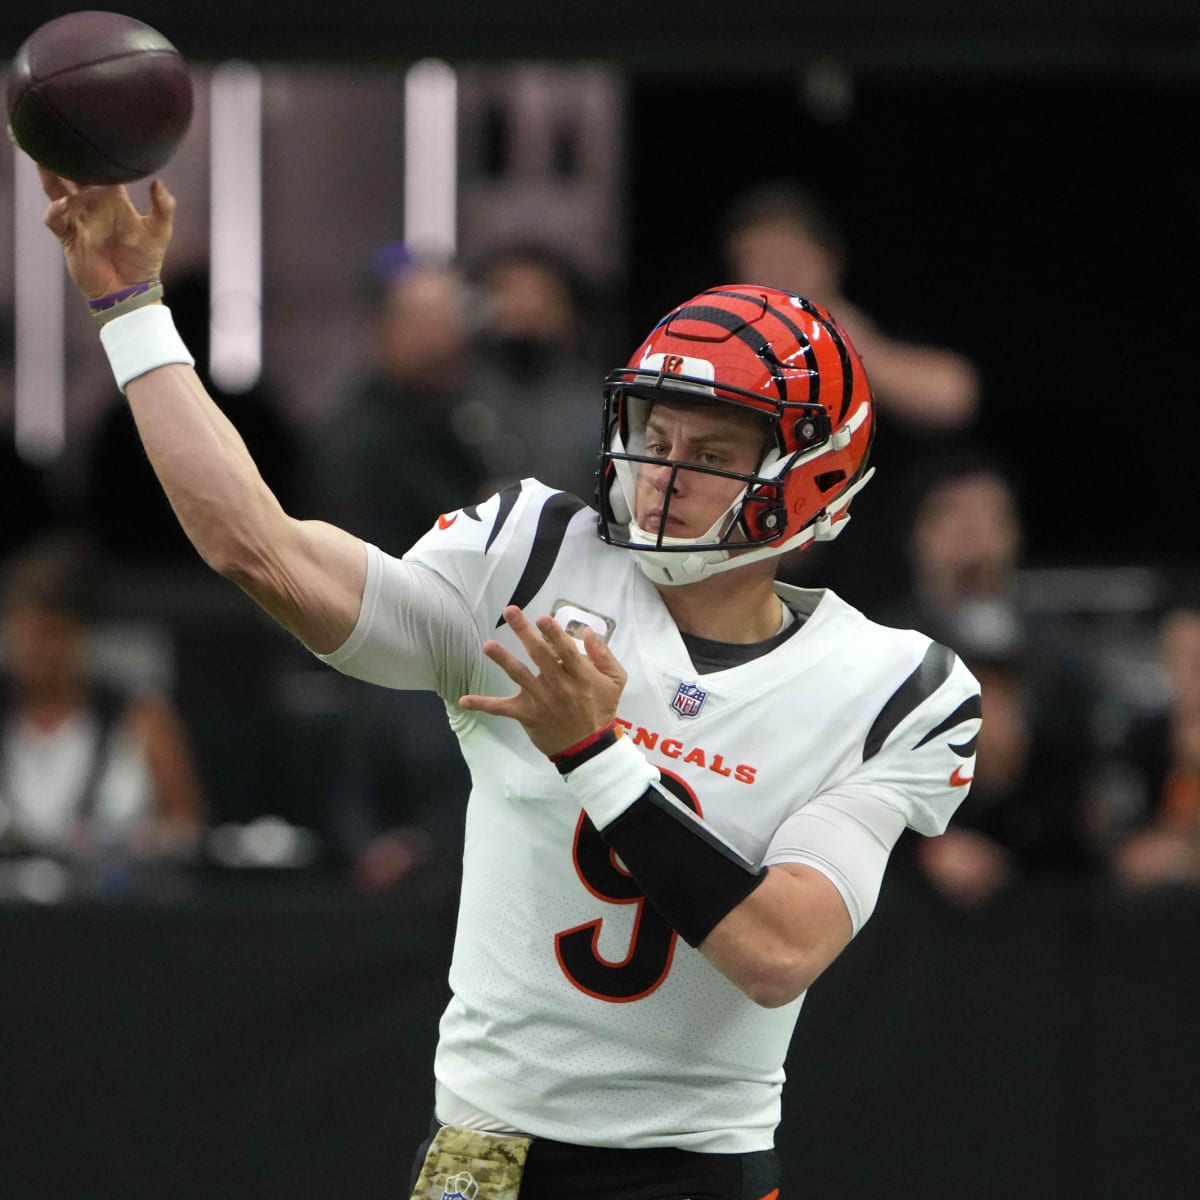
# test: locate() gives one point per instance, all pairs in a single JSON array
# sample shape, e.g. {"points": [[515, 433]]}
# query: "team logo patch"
{"points": [[679, 364], [689, 698], [460, 1187]]}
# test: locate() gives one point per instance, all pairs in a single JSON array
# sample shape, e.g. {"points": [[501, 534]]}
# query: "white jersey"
{"points": [[577, 1013]]}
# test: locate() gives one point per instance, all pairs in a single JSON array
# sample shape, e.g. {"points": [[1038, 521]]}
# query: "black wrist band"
{"points": [[686, 872], [595, 743]]}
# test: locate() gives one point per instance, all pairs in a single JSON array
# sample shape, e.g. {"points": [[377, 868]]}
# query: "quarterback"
{"points": [[686, 777]]}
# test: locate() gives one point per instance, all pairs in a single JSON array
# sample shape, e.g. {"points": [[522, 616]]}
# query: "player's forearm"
{"points": [[212, 483], [771, 932], [780, 938]]}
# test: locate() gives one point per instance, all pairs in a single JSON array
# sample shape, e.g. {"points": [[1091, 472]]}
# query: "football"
{"points": [[99, 98]]}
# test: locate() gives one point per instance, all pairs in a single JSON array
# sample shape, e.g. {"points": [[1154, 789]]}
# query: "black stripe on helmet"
{"points": [[843, 353], [802, 338], [738, 326]]}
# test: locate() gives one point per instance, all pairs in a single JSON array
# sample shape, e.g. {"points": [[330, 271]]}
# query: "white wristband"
{"points": [[607, 784], [142, 340]]}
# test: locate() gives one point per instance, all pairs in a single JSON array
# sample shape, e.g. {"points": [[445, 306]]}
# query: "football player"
{"points": [[687, 778]]}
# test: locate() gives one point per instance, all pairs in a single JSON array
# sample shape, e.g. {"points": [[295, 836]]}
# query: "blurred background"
{"points": [[409, 246]]}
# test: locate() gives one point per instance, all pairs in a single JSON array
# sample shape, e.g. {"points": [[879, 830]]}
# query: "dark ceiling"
{"points": [[929, 36]]}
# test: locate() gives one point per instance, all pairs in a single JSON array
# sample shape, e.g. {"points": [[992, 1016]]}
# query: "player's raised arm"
{"points": [[308, 575]]}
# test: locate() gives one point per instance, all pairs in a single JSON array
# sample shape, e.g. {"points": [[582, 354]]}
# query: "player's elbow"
{"points": [[242, 545], [786, 989], [236, 558], [776, 981], [771, 996]]}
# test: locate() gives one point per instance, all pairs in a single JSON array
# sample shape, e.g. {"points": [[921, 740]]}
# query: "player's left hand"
{"points": [[568, 697]]}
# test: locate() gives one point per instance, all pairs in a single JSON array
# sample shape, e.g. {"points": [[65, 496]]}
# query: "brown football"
{"points": [[98, 97]]}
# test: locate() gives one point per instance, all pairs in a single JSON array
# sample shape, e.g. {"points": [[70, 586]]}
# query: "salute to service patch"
{"points": [[464, 1164]]}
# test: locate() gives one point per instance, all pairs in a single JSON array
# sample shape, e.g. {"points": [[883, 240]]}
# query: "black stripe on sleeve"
{"points": [[552, 525], [508, 501], [967, 748], [934, 670], [971, 707]]}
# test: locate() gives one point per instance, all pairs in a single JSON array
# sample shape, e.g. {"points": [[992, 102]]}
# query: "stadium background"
{"points": [[1015, 180]]}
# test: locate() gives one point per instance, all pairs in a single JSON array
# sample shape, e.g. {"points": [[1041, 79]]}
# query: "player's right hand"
{"points": [[107, 243], [567, 696]]}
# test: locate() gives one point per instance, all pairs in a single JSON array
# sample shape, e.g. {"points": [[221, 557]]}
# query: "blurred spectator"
{"points": [[124, 506], [1150, 816], [964, 537], [780, 235], [400, 445], [87, 770], [1025, 815], [400, 790], [538, 371], [1027, 811]]}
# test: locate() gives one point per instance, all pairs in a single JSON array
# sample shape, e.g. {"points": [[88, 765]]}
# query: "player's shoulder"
{"points": [[510, 518], [500, 550], [909, 708], [903, 677], [854, 637]]}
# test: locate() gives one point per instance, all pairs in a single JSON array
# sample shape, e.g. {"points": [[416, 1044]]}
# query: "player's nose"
{"points": [[664, 477]]}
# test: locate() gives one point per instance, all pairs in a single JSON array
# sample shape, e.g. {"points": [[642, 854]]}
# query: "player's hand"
{"points": [[569, 696], [107, 243]]}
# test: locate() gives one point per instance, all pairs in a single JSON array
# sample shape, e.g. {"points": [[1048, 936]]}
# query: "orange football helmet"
{"points": [[760, 350]]}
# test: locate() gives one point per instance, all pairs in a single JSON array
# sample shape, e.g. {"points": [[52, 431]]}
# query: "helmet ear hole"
{"points": [[828, 480]]}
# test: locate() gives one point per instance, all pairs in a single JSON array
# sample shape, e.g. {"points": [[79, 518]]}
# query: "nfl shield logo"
{"points": [[688, 699]]}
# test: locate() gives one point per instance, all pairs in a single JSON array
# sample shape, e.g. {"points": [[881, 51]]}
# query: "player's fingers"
{"points": [[544, 657], [101, 204], [58, 217], [499, 706], [54, 187], [602, 658], [563, 646], [161, 216], [510, 664]]}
